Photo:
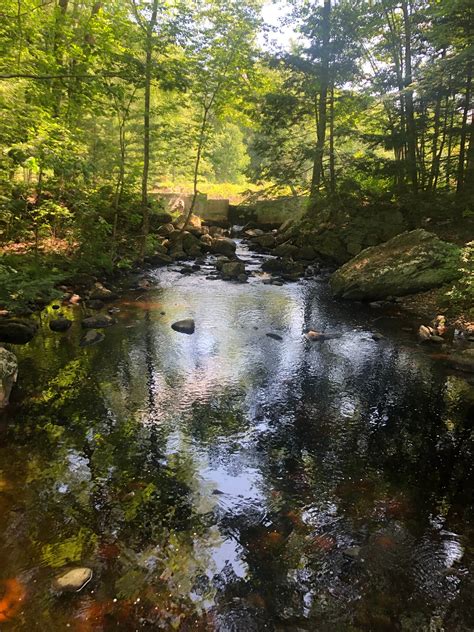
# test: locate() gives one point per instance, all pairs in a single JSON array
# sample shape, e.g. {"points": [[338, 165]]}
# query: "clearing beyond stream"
{"points": [[234, 481]]}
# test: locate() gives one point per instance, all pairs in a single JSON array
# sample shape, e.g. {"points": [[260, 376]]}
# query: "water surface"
{"points": [[229, 481]]}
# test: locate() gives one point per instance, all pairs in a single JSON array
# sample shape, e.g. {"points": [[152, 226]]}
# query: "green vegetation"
{"points": [[369, 106]]}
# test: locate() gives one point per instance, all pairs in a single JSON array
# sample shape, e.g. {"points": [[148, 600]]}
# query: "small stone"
{"points": [[95, 304], [424, 333], [437, 340], [274, 336], [186, 326], [92, 337], [60, 325], [73, 580], [352, 551], [313, 335], [97, 322], [375, 305], [376, 336]]}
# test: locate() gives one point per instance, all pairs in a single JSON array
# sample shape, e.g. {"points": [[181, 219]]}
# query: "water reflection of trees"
{"points": [[125, 447]]}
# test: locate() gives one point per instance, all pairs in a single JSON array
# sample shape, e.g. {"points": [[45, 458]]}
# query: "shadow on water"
{"points": [[231, 481]]}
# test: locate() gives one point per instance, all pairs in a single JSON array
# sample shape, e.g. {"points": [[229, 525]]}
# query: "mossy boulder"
{"points": [[411, 262]]}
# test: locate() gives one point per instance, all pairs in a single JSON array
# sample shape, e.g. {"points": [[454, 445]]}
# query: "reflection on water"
{"points": [[230, 481]]}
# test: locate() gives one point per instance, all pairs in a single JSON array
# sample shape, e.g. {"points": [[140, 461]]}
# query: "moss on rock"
{"points": [[411, 262]]}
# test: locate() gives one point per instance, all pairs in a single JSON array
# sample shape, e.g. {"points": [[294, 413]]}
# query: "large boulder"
{"points": [[17, 332], [223, 246], [283, 266], [286, 250], [193, 222], [233, 269], [267, 240], [191, 245], [165, 230], [8, 374], [410, 262]]}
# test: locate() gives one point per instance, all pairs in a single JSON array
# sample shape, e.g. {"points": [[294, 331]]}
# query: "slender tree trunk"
{"points": [[450, 149], [410, 110], [437, 158], [322, 110], [434, 142], [146, 130], [332, 168], [464, 133], [469, 174], [197, 164]]}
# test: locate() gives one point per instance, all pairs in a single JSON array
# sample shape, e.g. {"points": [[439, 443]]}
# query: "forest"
{"points": [[103, 103], [237, 315]]}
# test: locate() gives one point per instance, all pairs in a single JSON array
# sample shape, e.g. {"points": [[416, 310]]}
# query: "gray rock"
{"points": [[411, 262], [8, 375], [463, 361], [92, 337], [73, 580], [274, 336], [102, 293], [224, 246], [60, 325], [95, 304], [233, 269], [186, 326], [97, 322], [17, 332], [352, 551]]}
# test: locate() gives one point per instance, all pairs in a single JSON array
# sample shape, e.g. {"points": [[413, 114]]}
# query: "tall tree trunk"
{"points": [[434, 142], [464, 133], [146, 129], [469, 173], [410, 110], [197, 163], [322, 109], [450, 149], [332, 167], [437, 158]]}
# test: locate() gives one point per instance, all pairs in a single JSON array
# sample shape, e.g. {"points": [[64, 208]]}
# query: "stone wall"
{"points": [[211, 210]]}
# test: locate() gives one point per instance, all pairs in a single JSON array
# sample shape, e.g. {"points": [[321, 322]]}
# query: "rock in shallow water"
{"points": [[17, 332], [73, 580], [60, 324], [185, 326], [97, 322], [92, 337], [8, 374]]}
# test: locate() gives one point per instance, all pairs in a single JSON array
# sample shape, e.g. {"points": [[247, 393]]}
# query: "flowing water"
{"points": [[232, 481]]}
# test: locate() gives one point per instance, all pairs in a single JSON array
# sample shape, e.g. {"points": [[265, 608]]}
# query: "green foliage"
{"points": [[21, 287], [462, 292]]}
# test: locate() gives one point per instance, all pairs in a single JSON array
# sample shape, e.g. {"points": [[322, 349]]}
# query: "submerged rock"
{"points": [[185, 326], [92, 337], [8, 374], [73, 580], [410, 262], [17, 332], [97, 322], [274, 336], [60, 324], [463, 361]]}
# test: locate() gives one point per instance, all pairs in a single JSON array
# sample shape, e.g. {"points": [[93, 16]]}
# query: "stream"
{"points": [[231, 481]]}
